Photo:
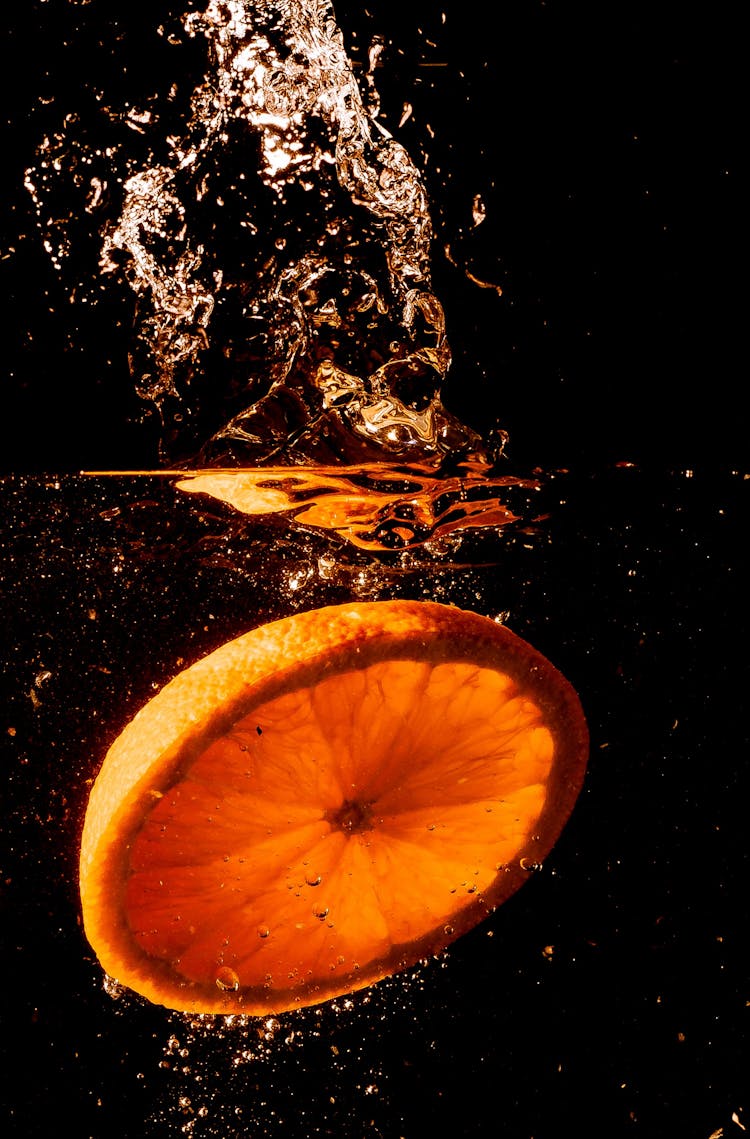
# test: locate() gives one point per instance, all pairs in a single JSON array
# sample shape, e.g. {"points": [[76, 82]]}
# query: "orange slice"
{"points": [[324, 801]]}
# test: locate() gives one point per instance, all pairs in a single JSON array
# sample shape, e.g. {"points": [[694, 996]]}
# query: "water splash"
{"points": [[276, 239], [374, 507], [337, 342]]}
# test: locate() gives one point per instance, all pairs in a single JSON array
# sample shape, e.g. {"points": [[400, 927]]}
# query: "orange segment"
{"points": [[323, 801]]}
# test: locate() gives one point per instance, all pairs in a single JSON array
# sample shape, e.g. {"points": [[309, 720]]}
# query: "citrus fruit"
{"points": [[323, 801]]}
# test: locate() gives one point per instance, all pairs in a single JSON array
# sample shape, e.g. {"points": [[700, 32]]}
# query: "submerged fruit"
{"points": [[324, 801]]}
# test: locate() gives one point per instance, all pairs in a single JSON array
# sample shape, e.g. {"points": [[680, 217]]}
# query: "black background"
{"points": [[603, 140], [604, 143]]}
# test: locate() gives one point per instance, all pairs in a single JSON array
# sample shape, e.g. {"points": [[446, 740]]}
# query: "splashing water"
{"points": [[339, 343], [374, 507], [277, 242]]}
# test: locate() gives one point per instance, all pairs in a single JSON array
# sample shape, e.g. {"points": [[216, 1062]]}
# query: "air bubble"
{"points": [[227, 979]]}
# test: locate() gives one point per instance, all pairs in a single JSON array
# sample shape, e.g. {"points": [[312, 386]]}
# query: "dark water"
{"points": [[608, 997]]}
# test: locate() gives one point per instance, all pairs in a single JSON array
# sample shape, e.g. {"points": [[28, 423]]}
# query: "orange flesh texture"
{"points": [[322, 802]]}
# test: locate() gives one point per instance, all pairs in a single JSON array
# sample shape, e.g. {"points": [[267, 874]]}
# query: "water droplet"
{"points": [[529, 865], [312, 879], [227, 979], [263, 931], [448, 930]]}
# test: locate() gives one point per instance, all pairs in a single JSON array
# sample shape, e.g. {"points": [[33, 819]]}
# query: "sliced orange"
{"points": [[324, 801]]}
